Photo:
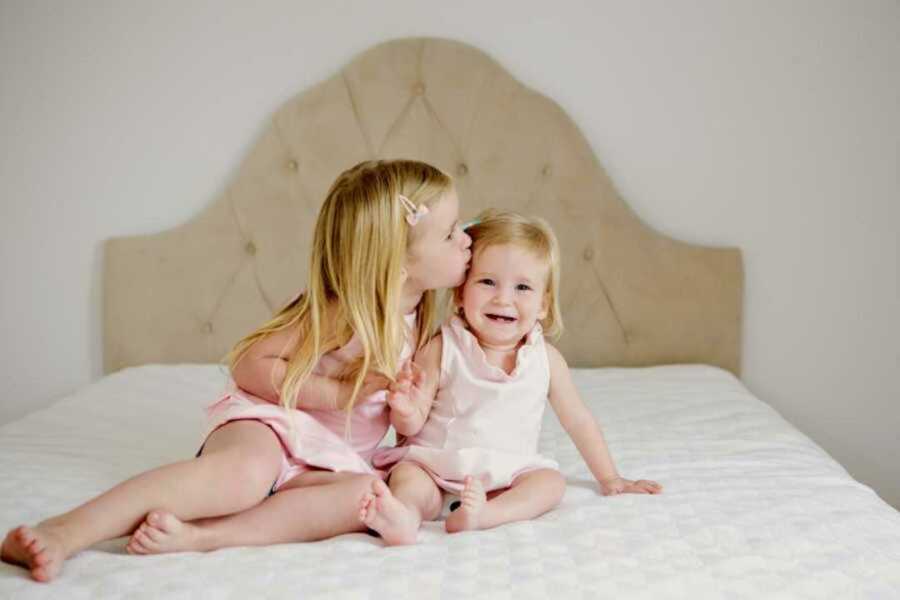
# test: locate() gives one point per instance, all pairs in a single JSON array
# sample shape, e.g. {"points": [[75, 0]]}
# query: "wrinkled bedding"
{"points": [[752, 508]]}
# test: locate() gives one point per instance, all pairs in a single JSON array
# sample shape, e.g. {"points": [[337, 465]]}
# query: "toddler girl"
{"points": [[472, 406]]}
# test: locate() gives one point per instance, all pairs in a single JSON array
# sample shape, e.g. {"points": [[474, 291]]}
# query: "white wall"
{"points": [[773, 126]]}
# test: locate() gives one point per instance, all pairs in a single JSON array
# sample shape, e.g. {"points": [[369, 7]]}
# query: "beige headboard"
{"points": [[630, 296]]}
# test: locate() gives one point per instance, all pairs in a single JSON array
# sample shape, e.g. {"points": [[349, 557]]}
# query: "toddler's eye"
{"points": [[486, 281], [523, 287]]}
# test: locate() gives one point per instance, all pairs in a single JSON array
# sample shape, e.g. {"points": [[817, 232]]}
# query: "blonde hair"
{"points": [[495, 227], [355, 275]]}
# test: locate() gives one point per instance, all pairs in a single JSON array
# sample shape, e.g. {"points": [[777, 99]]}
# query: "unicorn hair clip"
{"points": [[413, 212]]}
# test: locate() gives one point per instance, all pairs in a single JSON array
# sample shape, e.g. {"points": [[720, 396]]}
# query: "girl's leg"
{"points": [[239, 463], [530, 495], [396, 513], [312, 506]]}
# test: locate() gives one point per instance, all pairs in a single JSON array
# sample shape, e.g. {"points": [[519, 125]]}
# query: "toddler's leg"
{"points": [[397, 512], [468, 515], [239, 463], [530, 495], [312, 506]]}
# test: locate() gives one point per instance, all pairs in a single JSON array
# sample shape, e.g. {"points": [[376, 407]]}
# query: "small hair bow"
{"points": [[413, 212]]}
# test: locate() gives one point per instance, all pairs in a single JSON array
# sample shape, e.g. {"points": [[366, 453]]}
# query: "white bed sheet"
{"points": [[752, 508]]}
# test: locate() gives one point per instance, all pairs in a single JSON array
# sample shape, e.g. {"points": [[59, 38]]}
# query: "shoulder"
{"points": [[558, 364], [554, 355]]}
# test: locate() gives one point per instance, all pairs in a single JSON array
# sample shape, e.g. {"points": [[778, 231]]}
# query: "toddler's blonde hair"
{"points": [[495, 227], [358, 253]]}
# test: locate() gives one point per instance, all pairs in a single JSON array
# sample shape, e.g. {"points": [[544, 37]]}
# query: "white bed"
{"points": [[751, 509]]}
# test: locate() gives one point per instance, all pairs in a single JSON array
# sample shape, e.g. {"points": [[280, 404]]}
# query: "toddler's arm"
{"points": [[581, 426], [410, 398]]}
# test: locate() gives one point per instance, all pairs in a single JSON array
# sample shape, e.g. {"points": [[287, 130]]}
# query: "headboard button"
{"points": [[293, 165], [588, 253], [208, 327], [547, 171], [250, 248], [418, 89], [462, 169]]}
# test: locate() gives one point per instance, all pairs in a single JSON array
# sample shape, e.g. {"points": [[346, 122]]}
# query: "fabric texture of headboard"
{"points": [[629, 296]]}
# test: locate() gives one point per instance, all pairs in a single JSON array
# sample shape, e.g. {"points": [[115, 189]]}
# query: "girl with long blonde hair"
{"points": [[288, 448]]}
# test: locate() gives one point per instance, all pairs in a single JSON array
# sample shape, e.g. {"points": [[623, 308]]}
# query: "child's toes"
{"points": [[134, 547], [380, 488], [154, 534], [364, 507], [144, 540]]}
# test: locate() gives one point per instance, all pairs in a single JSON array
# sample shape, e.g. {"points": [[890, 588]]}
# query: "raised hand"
{"points": [[409, 399], [405, 392], [373, 382]]}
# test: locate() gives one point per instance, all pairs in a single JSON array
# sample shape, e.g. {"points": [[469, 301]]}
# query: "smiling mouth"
{"points": [[500, 318]]}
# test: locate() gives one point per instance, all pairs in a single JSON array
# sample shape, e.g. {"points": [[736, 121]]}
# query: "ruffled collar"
{"points": [[471, 347]]}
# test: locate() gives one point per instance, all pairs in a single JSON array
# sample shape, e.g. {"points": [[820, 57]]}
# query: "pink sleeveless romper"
{"points": [[484, 422], [317, 439]]}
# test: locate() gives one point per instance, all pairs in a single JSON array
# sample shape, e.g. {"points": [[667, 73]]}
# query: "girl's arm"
{"points": [[262, 369], [411, 397], [577, 420], [581, 426]]}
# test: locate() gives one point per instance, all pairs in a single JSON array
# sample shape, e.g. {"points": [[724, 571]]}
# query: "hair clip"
{"points": [[471, 223], [413, 212]]}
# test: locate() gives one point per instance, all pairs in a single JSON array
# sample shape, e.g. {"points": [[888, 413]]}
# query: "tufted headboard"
{"points": [[629, 297]]}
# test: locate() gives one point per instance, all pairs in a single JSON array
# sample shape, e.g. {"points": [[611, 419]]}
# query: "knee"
{"points": [[556, 486], [404, 472]]}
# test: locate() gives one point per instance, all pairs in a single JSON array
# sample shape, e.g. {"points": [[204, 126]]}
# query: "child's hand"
{"points": [[373, 382], [405, 392], [619, 485]]}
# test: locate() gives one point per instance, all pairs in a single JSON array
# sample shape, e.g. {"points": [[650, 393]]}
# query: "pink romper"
{"points": [[317, 440], [484, 422]]}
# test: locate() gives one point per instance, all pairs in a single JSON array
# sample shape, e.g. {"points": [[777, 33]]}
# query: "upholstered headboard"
{"points": [[630, 296]]}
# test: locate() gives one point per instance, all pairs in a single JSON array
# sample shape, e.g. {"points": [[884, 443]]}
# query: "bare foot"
{"points": [[380, 510], [163, 532], [39, 550], [467, 516]]}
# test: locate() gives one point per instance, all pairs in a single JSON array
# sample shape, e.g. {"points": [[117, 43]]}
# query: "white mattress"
{"points": [[752, 508]]}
